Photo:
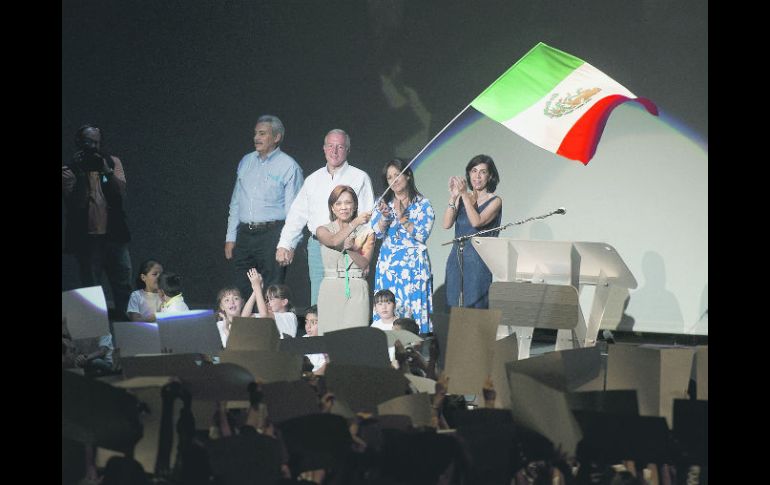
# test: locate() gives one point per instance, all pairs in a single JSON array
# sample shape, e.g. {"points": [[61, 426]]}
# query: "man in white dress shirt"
{"points": [[310, 207]]}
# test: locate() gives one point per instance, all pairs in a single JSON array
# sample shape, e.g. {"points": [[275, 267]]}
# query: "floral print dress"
{"points": [[403, 266]]}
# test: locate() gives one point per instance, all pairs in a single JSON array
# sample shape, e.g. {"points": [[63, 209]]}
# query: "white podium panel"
{"points": [[538, 284]]}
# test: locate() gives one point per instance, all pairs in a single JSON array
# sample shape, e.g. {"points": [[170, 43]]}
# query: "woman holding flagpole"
{"points": [[404, 219], [471, 211], [347, 244]]}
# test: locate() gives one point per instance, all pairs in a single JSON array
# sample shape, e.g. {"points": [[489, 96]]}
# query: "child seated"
{"points": [[277, 306], [385, 306], [229, 305], [145, 302], [408, 324], [311, 330], [93, 355], [170, 286]]}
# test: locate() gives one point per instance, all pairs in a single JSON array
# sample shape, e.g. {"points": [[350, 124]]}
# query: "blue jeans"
{"points": [[315, 268], [99, 255]]}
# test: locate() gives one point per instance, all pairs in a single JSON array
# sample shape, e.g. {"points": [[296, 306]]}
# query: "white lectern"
{"points": [[538, 284]]}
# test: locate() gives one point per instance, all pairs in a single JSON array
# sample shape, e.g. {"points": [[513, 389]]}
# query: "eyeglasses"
{"points": [[333, 147]]}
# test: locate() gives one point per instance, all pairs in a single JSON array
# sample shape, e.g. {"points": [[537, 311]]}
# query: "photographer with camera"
{"points": [[93, 189]]}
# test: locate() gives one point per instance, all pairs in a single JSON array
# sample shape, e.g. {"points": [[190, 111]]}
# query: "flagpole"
{"points": [[420, 153]]}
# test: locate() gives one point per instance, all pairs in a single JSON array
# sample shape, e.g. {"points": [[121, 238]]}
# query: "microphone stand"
{"points": [[461, 242]]}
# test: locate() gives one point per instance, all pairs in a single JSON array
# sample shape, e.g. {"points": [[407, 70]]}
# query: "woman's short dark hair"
{"points": [[494, 177], [336, 194], [399, 164]]}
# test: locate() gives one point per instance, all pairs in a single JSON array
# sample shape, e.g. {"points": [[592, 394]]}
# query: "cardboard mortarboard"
{"points": [[617, 402], [204, 380], [364, 387], [534, 446], [358, 346], [315, 441], [286, 400], [219, 382], [190, 331], [702, 372], [303, 345], [470, 348], [265, 365], [483, 417], [416, 456], [416, 406], [394, 421], [148, 391], [372, 430], [611, 438], [405, 336], [543, 409], [422, 384], [506, 350], [441, 334], [174, 365], [86, 312], [246, 458], [491, 438], [98, 413], [565, 370], [659, 375], [248, 333], [691, 429], [341, 408], [136, 338]]}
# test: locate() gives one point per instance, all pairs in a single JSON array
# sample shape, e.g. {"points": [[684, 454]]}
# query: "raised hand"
{"points": [[385, 210], [456, 187], [398, 207], [362, 218], [284, 256], [254, 277], [469, 198]]}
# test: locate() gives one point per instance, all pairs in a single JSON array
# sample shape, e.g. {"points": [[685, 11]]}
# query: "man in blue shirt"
{"points": [[267, 183]]}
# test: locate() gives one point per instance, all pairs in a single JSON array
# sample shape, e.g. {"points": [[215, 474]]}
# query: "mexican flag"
{"points": [[556, 101]]}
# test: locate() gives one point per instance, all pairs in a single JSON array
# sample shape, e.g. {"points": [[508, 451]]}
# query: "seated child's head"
{"points": [[278, 298], [311, 321], [229, 303], [385, 304], [149, 273], [170, 284], [407, 324]]}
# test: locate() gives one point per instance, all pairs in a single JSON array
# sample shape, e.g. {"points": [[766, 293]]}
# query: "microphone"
{"points": [[560, 210]]}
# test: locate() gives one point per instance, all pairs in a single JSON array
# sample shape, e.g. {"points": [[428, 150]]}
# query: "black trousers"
{"points": [[255, 248], [100, 255]]}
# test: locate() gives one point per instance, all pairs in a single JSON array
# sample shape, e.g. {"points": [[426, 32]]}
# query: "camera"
{"points": [[88, 161], [410, 354]]}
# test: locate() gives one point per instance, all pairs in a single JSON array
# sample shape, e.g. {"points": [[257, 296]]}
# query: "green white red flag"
{"points": [[556, 101]]}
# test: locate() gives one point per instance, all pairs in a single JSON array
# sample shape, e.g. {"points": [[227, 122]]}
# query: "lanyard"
{"points": [[347, 277]]}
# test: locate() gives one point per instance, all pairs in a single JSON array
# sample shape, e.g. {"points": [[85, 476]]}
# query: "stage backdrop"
{"points": [[178, 85]]}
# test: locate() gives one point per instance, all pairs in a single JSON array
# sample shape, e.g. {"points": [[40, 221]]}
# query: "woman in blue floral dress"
{"points": [[404, 218]]}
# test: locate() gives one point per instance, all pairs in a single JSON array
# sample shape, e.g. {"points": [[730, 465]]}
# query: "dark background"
{"points": [[177, 86]]}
